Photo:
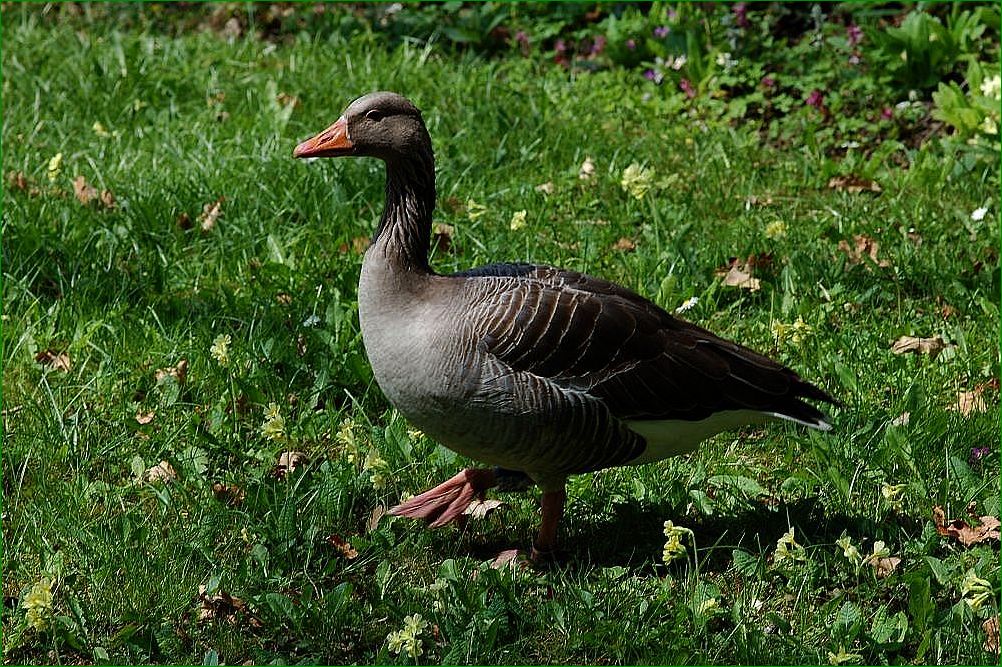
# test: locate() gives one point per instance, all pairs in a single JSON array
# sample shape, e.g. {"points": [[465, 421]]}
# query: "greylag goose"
{"points": [[537, 371]]}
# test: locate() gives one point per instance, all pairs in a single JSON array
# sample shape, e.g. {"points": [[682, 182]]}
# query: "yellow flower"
{"points": [[787, 549], [346, 438], [708, 606], [395, 641], [407, 640], [99, 130], [796, 333], [55, 166], [775, 230], [849, 550], [38, 604], [674, 549], [992, 87], [414, 624], [989, 126], [892, 494], [880, 550], [274, 424], [517, 220], [474, 211], [637, 180], [842, 657], [975, 590], [220, 349]]}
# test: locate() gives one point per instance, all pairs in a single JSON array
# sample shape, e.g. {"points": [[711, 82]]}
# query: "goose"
{"points": [[536, 371]]}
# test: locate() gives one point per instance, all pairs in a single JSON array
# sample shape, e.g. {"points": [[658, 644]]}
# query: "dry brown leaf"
{"points": [[222, 606], [288, 462], [509, 558], [377, 513], [963, 532], [359, 245], [161, 472], [587, 169], [343, 546], [230, 494], [968, 402], [931, 346], [902, 419], [441, 236], [210, 214], [83, 192], [179, 372], [18, 181], [283, 298], [853, 184], [144, 418], [991, 628], [57, 361], [883, 567], [478, 509], [546, 188], [863, 246], [625, 244], [736, 276], [107, 199]]}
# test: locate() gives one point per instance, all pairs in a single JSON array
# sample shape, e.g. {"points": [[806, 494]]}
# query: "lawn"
{"points": [[196, 460]]}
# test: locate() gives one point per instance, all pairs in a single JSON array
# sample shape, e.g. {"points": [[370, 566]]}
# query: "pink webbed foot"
{"points": [[447, 501]]}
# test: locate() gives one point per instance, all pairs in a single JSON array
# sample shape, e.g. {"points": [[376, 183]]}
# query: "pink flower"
{"points": [[816, 99], [687, 88], [661, 32], [768, 82], [522, 40], [598, 45], [854, 33], [887, 113], [740, 14], [631, 45]]}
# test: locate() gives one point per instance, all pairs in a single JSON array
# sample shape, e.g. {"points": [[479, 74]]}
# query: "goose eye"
{"points": [[374, 114]]}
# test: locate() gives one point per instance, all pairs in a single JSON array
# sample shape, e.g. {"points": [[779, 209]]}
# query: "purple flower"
{"points": [[672, 14], [816, 99], [887, 113], [740, 14], [687, 88], [854, 33], [598, 45], [661, 32], [631, 45], [978, 453], [654, 75], [768, 82]]}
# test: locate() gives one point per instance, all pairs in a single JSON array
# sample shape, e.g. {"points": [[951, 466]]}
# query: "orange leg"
{"points": [[553, 508]]}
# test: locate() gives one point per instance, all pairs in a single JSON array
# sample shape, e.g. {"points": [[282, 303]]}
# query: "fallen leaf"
{"points": [[963, 532], [179, 372], [587, 169], [230, 494], [83, 192], [625, 244], [161, 472], [546, 188], [57, 361], [343, 546], [853, 184], [441, 236], [863, 246], [968, 402], [359, 245], [210, 214], [478, 509], [107, 199], [883, 567], [931, 346], [902, 419], [991, 628], [738, 274], [509, 558], [283, 298], [377, 513], [18, 181], [145, 417], [222, 606], [288, 462]]}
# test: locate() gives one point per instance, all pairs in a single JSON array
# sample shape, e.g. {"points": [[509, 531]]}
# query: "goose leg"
{"points": [[553, 508], [447, 501]]}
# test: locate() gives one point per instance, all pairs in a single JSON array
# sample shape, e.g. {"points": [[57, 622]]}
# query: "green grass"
{"points": [[127, 291]]}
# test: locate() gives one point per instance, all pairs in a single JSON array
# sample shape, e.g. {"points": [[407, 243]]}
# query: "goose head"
{"points": [[383, 125]]}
